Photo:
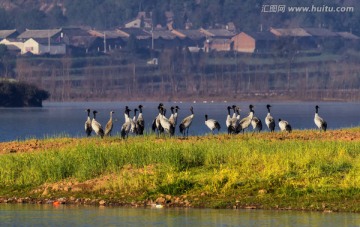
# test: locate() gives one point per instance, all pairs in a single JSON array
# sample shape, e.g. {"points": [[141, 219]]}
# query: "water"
{"points": [[47, 215], [56, 119]]}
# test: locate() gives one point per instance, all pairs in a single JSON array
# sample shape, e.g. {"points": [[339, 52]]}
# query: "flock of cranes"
{"points": [[167, 125]]}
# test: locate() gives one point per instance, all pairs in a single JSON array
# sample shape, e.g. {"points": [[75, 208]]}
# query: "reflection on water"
{"points": [[47, 215], [56, 119]]}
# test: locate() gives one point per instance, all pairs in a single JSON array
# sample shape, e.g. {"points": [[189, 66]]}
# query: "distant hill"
{"points": [[247, 15], [43, 5]]}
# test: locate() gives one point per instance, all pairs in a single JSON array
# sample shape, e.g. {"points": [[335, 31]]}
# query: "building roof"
{"points": [[217, 32], [320, 32], [46, 33], [162, 33], [290, 32], [75, 31], [83, 41], [110, 34], [192, 34], [348, 35], [45, 41], [137, 32], [6, 33], [220, 41], [266, 35]]}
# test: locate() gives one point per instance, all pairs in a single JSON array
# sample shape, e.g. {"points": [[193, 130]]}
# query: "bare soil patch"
{"points": [[34, 145]]}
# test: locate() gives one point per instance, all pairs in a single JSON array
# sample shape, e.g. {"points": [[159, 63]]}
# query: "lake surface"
{"points": [[68, 118], [48, 215]]}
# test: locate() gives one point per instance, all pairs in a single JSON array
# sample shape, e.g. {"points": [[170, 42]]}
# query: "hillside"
{"points": [[284, 73], [245, 14]]}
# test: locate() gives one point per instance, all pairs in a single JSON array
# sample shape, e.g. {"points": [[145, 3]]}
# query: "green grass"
{"points": [[296, 173]]}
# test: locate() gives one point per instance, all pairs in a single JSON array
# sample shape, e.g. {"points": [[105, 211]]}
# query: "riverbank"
{"points": [[305, 170]]}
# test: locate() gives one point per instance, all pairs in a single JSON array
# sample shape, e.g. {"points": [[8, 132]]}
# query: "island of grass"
{"points": [[304, 170]]}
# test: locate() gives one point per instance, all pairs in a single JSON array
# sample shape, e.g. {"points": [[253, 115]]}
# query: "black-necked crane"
{"points": [[228, 121], [140, 123], [319, 122], [177, 108], [156, 126], [256, 122], [172, 116], [238, 117], [165, 123], [212, 124], [96, 126], [133, 128], [125, 128], [186, 123], [88, 128], [235, 117], [284, 126], [269, 120], [109, 125], [246, 121]]}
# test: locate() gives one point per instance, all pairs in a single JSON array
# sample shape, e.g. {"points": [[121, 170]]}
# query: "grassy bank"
{"points": [[306, 170]]}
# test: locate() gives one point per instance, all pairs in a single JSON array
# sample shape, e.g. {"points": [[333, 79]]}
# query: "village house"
{"points": [[294, 36], [110, 40], [251, 42], [218, 44], [164, 39], [192, 39], [79, 41], [43, 46], [349, 40], [323, 38], [47, 41], [217, 39], [143, 38]]}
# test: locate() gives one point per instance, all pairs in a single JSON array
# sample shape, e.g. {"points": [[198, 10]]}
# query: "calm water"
{"points": [[68, 118], [47, 215]]}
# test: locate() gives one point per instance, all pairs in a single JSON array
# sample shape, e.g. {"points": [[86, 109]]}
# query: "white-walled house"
{"points": [[43, 46]]}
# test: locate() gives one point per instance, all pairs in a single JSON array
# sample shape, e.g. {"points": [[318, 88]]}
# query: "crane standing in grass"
{"points": [[269, 120], [319, 122], [212, 124], [228, 122], [284, 126], [125, 128], [88, 128], [256, 122], [140, 123], [133, 128], [246, 121], [165, 123], [109, 125], [156, 126], [186, 123], [96, 126]]}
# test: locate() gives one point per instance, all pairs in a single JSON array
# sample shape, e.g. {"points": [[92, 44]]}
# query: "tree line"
{"points": [[182, 75]]}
